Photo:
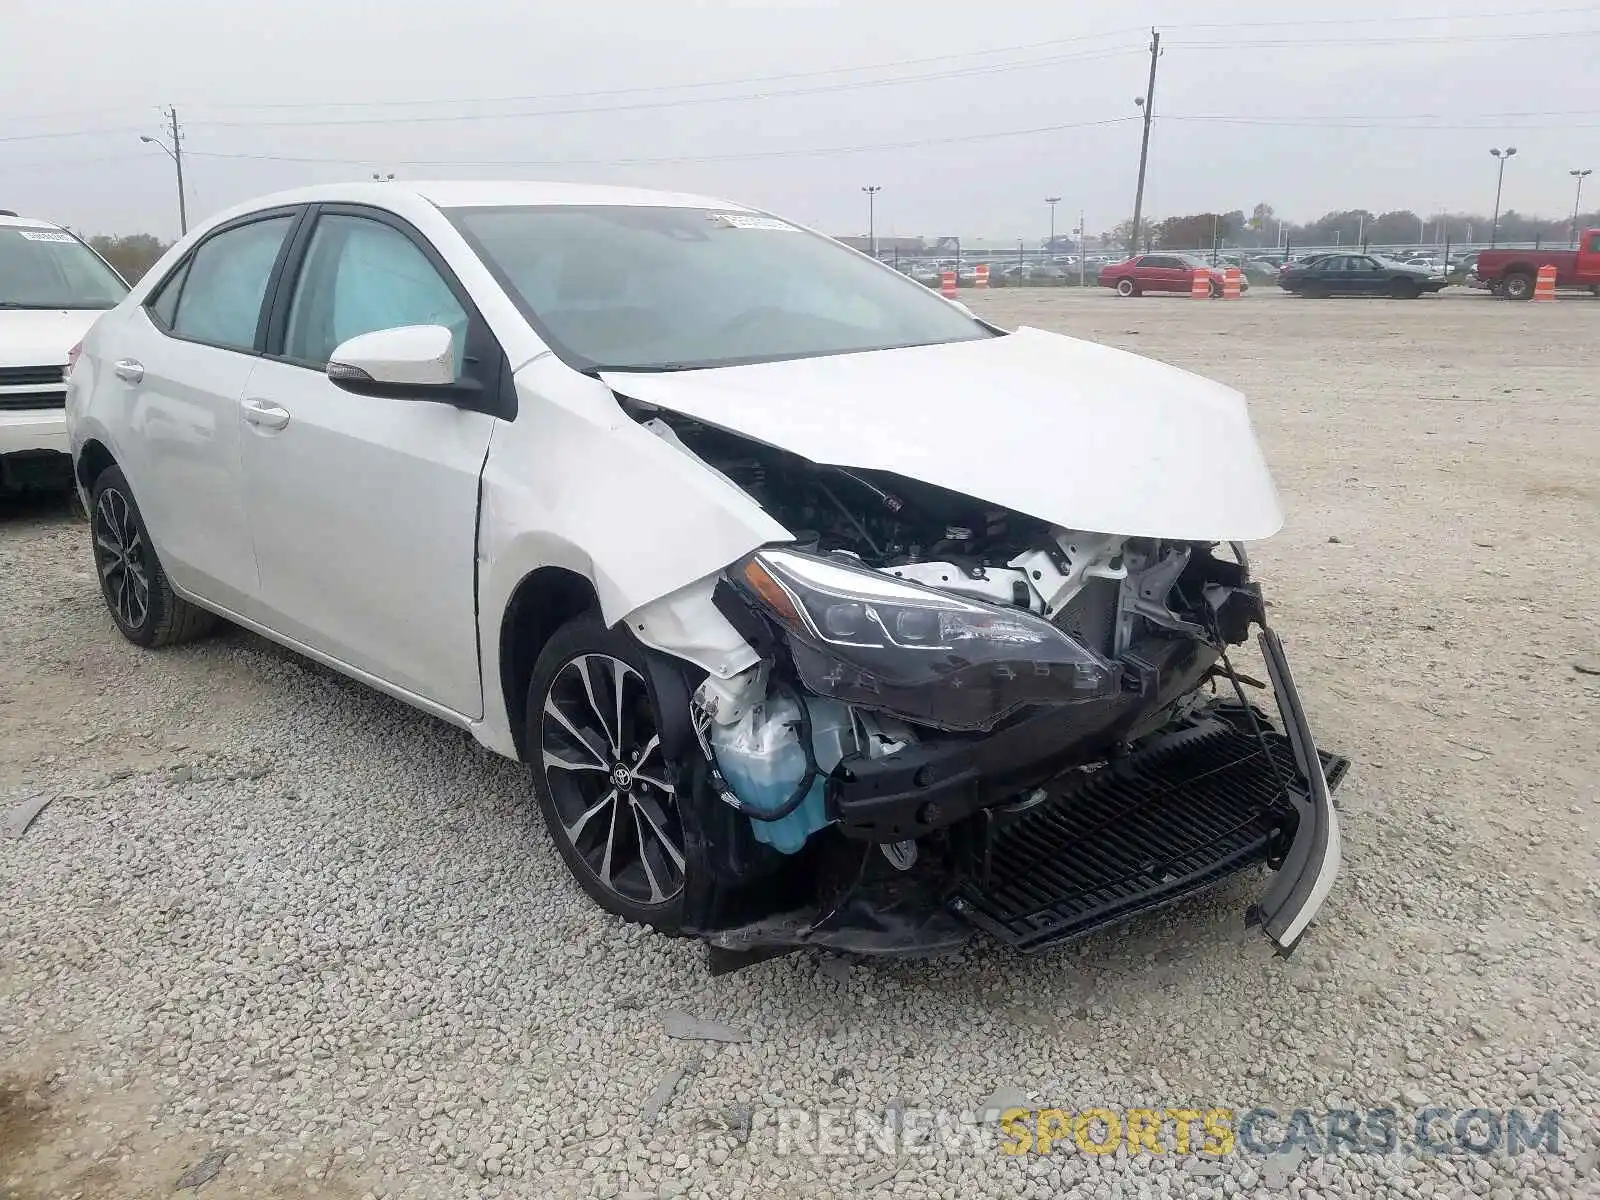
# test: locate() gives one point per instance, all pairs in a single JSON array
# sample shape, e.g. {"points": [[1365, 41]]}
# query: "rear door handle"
{"points": [[129, 369], [265, 414]]}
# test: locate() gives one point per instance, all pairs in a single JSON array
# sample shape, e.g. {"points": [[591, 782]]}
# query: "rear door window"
{"points": [[221, 293]]}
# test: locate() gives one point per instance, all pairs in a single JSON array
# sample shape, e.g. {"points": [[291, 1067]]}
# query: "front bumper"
{"points": [[33, 429], [1184, 811]]}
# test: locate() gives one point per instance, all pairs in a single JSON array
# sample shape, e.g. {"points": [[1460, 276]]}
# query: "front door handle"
{"points": [[129, 369], [265, 414]]}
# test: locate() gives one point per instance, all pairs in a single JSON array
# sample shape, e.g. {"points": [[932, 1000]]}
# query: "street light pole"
{"points": [[1050, 246], [1503, 156], [872, 218], [1577, 201], [1079, 232], [175, 153]]}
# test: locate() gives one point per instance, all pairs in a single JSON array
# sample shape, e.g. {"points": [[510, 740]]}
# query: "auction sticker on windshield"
{"points": [[45, 235], [746, 221]]}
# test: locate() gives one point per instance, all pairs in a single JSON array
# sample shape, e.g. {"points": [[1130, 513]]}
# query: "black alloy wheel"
{"points": [[607, 791], [135, 587], [123, 557]]}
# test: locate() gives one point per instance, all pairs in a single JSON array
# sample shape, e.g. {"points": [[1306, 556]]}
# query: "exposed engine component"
{"points": [[885, 521]]}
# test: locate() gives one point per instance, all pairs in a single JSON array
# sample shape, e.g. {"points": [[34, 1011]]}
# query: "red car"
{"points": [[1162, 273]]}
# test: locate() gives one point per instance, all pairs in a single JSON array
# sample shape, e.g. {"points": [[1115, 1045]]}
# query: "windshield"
{"points": [[48, 268], [651, 288]]}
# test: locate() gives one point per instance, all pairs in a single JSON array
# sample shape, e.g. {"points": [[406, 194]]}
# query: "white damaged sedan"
{"points": [[824, 613]]}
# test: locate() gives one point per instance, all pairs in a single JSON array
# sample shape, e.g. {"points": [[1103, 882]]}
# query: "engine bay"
{"points": [[882, 520]]}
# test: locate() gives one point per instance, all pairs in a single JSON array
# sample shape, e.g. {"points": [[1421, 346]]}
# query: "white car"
{"points": [[824, 612], [52, 288]]}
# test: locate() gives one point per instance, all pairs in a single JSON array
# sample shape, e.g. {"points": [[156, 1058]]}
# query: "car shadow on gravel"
{"points": [[39, 508]]}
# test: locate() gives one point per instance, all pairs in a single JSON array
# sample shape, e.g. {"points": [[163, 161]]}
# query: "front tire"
{"points": [[135, 587], [1518, 285], [604, 785]]}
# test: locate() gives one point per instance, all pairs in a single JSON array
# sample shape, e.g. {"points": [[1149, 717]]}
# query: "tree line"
{"points": [[1262, 227], [131, 254], [135, 253]]}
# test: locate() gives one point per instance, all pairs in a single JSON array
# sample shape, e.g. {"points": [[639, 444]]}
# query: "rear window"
{"points": [[49, 268]]}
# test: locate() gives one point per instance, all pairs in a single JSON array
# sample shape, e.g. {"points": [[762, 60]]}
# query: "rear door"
{"points": [[1366, 275], [364, 511], [1155, 273], [170, 391]]}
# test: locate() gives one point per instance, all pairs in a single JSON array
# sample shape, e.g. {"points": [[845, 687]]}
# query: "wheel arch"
{"points": [[543, 601], [93, 461]]}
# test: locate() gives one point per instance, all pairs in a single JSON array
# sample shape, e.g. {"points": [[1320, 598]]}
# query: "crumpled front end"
{"points": [[959, 719]]}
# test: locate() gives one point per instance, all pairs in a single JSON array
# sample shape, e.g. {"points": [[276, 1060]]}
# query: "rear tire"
{"points": [[1127, 287], [134, 585], [1518, 285], [604, 786]]}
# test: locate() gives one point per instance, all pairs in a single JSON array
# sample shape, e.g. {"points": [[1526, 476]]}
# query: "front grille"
{"points": [[31, 376], [1165, 823], [17, 401]]}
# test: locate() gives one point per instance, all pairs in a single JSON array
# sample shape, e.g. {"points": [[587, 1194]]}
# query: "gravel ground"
{"points": [[271, 914]]}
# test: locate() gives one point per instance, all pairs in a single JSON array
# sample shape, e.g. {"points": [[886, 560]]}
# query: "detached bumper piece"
{"points": [[1171, 820]]}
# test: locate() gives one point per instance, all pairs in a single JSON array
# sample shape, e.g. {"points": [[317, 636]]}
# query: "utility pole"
{"points": [[175, 153], [178, 162], [872, 218], [1148, 104], [1050, 246]]}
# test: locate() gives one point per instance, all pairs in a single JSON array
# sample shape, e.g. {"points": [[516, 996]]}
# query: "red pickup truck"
{"points": [[1513, 273]]}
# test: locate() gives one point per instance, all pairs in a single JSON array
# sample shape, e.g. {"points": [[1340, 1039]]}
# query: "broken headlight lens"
{"points": [[866, 638]]}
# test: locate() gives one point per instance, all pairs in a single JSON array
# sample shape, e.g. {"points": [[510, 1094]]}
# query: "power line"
{"points": [[47, 163], [41, 137], [672, 159], [681, 101], [878, 66], [1391, 121], [1453, 18], [644, 89], [1400, 40]]}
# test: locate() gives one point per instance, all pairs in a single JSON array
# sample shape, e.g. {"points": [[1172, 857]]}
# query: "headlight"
{"points": [[865, 638]]}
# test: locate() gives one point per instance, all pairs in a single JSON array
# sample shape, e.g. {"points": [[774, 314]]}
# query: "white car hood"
{"points": [[1068, 431], [41, 337]]}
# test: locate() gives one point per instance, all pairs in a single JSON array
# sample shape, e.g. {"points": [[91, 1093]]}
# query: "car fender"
{"points": [[574, 482]]}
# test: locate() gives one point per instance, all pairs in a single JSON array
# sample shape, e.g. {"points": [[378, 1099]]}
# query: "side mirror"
{"points": [[407, 360]]}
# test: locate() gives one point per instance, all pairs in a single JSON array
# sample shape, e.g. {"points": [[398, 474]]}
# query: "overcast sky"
{"points": [[1362, 103]]}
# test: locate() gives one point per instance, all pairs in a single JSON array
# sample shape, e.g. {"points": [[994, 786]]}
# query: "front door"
{"points": [[363, 510]]}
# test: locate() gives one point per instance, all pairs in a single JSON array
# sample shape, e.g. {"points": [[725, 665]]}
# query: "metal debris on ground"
{"points": [[204, 1171], [682, 1026], [20, 816]]}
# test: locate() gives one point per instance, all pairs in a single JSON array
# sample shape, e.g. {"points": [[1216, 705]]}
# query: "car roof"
{"points": [[11, 220], [460, 193]]}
